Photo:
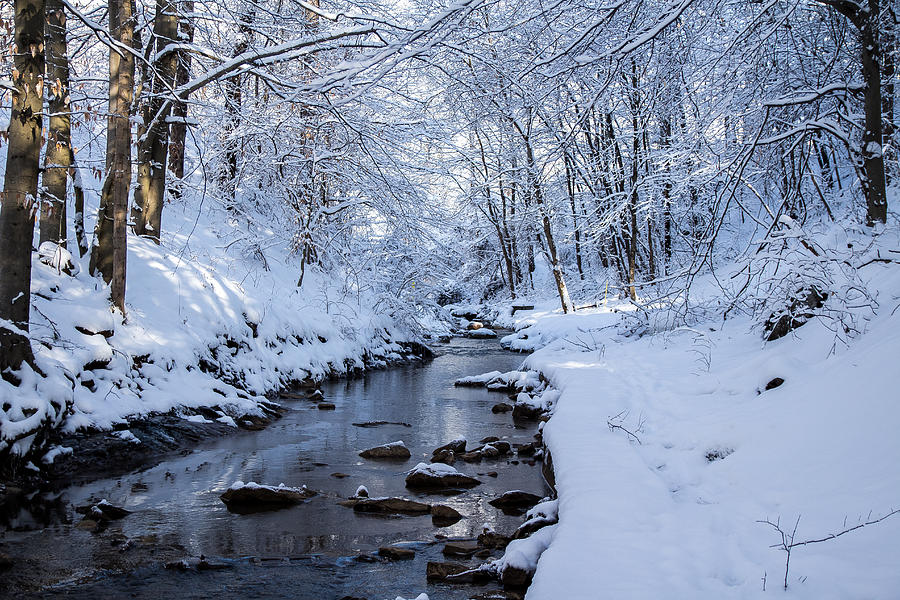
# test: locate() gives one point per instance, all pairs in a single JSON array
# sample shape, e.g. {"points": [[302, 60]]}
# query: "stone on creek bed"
{"points": [[455, 573], [460, 548], [425, 476], [394, 450], [515, 499], [442, 515], [396, 553], [387, 506], [448, 457], [457, 446], [197, 564], [102, 510], [369, 424], [252, 497]]}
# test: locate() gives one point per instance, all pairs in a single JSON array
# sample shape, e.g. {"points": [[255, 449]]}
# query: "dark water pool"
{"points": [[307, 551]]}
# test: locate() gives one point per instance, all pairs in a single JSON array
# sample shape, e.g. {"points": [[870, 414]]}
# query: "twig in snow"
{"points": [[614, 423], [788, 544]]}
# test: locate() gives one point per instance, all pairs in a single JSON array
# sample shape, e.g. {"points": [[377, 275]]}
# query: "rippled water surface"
{"points": [[306, 551]]}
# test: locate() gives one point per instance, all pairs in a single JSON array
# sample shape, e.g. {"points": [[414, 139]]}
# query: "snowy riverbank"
{"points": [[671, 451], [213, 321]]}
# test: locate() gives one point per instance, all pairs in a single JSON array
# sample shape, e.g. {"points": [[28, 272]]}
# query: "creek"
{"points": [[308, 551]]}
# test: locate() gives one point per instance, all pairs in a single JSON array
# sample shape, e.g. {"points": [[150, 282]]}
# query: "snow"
{"points": [[53, 453], [484, 332], [197, 419], [227, 420], [518, 380], [438, 469], [421, 596], [524, 553], [668, 452], [252, 485], [127, 436], [478, 379]]}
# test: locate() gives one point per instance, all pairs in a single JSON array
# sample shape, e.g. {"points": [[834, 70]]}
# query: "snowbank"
{"points": [[677, 455]]}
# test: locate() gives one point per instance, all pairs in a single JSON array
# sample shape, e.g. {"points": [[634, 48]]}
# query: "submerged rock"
{"points": [[394, 450], [325, 406], [436, 476], [501, 407]]}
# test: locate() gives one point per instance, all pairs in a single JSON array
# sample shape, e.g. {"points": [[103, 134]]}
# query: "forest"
{"points": [[208, 204]]}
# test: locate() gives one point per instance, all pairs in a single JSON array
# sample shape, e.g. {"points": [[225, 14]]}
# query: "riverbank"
{"points": [[210, 331], [681, 457]]}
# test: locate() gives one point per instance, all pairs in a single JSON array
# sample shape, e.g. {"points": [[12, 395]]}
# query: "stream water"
{"points": [[307, 551]]}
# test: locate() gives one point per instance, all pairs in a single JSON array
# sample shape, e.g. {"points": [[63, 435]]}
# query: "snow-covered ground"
{"points": [[214, 318], [670, 454]]}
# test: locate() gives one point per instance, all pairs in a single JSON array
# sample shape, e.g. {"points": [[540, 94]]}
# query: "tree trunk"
{"points": [[665, 143], [233, 101], [78, 186], [873, 155], [108, 258], [552, 255], [58, 156], [20, 186], [570, 189], [153, 147], [178, 127], [888, 76], [866, 18]]}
